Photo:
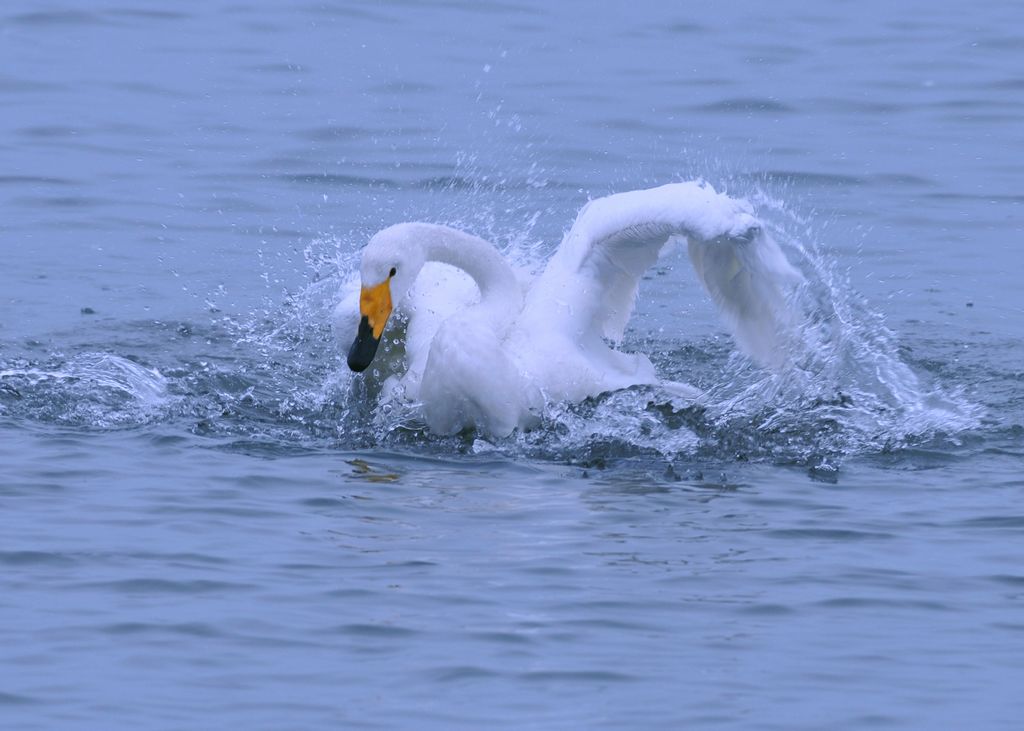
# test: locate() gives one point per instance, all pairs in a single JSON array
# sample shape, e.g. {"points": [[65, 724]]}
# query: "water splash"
{"points": [[277, 376], [847, 372], [847, 389], [98, 390]]}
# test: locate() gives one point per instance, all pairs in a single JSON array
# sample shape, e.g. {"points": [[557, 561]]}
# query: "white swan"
{"points": [[493, 361]]}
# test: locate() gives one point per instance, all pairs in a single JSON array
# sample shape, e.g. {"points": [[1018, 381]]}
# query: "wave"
{"points": [[99, 390]]}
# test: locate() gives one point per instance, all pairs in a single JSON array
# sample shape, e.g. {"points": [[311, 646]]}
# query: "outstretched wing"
{"points": [[591, 281], [748, 278]]}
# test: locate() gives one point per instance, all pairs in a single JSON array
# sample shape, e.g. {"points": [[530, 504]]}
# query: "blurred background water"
{"points": [[204, 521]]}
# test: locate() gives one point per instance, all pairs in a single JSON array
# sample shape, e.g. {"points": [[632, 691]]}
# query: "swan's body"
{"points": [[493, 363]]}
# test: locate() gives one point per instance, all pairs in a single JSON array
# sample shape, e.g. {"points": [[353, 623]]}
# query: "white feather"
{"points": [[492, 361]]}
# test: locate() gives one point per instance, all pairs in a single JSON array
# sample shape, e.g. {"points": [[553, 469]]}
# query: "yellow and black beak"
{"points": [[374, 308]]}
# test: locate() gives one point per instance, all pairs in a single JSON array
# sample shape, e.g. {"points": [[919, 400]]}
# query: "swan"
{"points": [[491, 353]]}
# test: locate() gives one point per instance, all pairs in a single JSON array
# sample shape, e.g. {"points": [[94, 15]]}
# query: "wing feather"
{"points": [[591, 281]]}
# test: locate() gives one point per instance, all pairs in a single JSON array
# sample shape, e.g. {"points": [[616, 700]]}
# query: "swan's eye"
{"points": [[393, 272]]}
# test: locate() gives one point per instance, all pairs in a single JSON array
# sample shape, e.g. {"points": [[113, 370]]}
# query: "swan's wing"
{"points": [[594, 275], [748, 277]]}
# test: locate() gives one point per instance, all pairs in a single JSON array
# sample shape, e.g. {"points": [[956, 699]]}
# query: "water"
{"points": [[206, 522]]}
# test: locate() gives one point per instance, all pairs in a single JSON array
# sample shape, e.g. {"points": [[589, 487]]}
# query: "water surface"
{"points": [[204, 521]]}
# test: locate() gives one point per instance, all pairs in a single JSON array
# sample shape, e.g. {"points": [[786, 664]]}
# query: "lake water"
{"points": [[205, 522]]}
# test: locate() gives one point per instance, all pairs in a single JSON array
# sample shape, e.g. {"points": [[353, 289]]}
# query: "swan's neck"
{"points": [[500, 295]]}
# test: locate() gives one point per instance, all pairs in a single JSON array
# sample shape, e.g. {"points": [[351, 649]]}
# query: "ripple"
{"points": [[57, 18], [383, 631], [1008, 579], [827, 534], [166, 586], [35, 558], [403, 88], [577, 676], [15, 699], [995, 522], [338, 132], [149, 14], [461, 673], [188, 629], [503, 638], [855, 602], [766, 610], [179, 558], [614, 625], [20, 180], [339, 180], [746, 106], [807, 178], [10, 84]]}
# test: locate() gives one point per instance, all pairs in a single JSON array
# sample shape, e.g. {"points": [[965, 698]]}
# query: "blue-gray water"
{"points": [[204, 523]]}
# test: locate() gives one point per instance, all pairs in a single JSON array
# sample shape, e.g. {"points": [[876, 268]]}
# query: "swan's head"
{"points": [[391, 262]]}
